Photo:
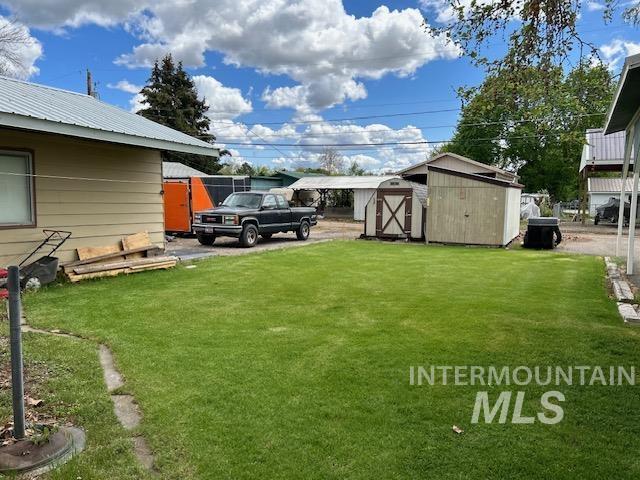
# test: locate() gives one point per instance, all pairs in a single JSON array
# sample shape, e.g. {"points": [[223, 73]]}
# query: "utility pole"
{"points": [[90, 91]]}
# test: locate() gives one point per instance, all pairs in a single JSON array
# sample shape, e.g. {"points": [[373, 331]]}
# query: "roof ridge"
{"points": [[58, 89]]}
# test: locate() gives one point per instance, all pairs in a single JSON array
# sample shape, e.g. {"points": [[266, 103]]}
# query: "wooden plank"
{"points": [[82, 269], [111, 256], [86, 253], [137, 240]]}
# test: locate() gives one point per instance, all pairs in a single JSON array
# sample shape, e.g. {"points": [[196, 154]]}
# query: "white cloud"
{"points": [[444, 11], [24, 52], [223, 102], [74, 13], [325, 50], [595, 6], [125, 86], [614, 52], [311, 140]]}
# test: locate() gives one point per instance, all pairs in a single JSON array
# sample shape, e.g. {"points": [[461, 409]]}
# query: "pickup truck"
{"points": [[245, 215]]}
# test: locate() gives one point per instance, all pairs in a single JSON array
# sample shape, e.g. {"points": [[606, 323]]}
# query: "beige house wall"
{"points": [[127, 198]]}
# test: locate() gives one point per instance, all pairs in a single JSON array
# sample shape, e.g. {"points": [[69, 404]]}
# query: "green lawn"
{"points": [[295, 363]]}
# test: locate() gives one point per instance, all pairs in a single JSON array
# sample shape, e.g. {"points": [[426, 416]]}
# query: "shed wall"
{"points": [[97, 212], [512, 217], [360, 199], [463, 210]]}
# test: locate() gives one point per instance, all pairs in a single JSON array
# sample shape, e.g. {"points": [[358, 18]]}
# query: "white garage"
{"points": [[601, 189]]}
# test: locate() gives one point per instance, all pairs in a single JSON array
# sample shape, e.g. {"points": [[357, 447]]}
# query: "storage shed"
{"points": [[396, 210], [471, 209]]}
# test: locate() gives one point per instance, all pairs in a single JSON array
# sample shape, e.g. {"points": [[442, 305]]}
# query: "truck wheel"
{"points": [[206, 239], [303, 230], [266, 236], [249, 236]]}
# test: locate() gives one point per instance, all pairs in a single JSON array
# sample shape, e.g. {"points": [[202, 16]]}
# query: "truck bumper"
{"points": [[218, 230]]}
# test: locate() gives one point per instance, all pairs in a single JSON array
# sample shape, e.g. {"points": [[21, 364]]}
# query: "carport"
{"points": [[362, 188], [624, 116]]}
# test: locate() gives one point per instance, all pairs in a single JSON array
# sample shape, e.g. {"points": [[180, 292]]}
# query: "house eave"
{"points": [[22, 122]]}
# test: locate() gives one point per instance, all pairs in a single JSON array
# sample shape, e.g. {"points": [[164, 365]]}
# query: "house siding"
{"points": [[127, 200]]}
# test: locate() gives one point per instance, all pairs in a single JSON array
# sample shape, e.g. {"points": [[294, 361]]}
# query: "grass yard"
{"points": [[295, 363]]}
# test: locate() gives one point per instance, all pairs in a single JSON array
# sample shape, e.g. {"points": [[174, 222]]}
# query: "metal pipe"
{"points": [[17, 384]]}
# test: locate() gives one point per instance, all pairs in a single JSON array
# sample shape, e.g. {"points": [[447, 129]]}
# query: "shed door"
{"points": [[177, 215], [393, 213]]}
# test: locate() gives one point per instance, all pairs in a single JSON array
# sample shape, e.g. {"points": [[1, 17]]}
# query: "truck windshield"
{"points": [[248, 200]]}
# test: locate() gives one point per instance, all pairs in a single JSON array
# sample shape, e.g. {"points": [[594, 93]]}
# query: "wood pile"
{"points": [[135, 253]]}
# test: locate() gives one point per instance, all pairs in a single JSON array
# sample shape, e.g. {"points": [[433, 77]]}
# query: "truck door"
{"points": [[269, 214], [177, 214], [284, 212]]}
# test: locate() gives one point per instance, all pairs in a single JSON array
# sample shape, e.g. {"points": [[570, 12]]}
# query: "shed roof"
{"points": [[28, 106], [480, 165], [344, 182], [476, 177], [179, 170], [607, 185], [627, 99]]}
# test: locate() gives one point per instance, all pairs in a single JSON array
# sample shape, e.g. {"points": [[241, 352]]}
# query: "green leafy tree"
{"points": [[355, 169], [170, 98], [542, 33], [538, 127]]}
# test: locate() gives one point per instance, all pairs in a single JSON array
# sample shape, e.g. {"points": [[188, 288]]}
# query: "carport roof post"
{"points": [[624, 115]]}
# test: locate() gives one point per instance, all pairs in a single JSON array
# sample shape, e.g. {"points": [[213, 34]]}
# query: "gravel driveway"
{"points": [[189, 248]]}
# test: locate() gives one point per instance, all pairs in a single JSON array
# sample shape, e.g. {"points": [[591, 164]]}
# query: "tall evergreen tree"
{"points": [[171, 99]]}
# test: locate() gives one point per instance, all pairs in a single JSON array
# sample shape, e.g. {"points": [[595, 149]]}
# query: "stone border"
{"points": [[124, 406], [625, 298]]}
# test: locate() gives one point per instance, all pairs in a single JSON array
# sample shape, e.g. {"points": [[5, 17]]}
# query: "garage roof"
{"points": [[608, 185], [28, 106], [342, 182], [179, 170], [627, 100]]}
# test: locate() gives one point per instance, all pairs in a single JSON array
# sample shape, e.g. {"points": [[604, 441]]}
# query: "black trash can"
{"points": [[542, 232]]}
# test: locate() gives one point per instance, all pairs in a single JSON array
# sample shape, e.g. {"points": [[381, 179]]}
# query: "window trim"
{"points": [[34, 214]]}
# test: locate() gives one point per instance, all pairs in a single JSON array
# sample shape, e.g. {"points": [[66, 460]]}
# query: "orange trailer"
{"points": [[183, 197]]}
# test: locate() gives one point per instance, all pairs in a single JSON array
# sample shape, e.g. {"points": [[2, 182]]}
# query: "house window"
{"points": [[16, 189]]}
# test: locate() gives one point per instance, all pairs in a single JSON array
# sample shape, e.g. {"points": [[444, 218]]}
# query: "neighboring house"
{"points": [[600, 190], [601, 153], [458, 163], [71, 162]]}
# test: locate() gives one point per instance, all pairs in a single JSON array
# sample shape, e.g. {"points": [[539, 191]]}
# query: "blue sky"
{"points": [[278, 71]]}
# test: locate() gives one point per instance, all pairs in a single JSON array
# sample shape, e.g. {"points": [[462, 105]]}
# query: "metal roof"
{"points": [[340, 182], [291, 174], [480, 165], [29, 106], [602, 150], [627, 99], [608, 185], [179, 170]]}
